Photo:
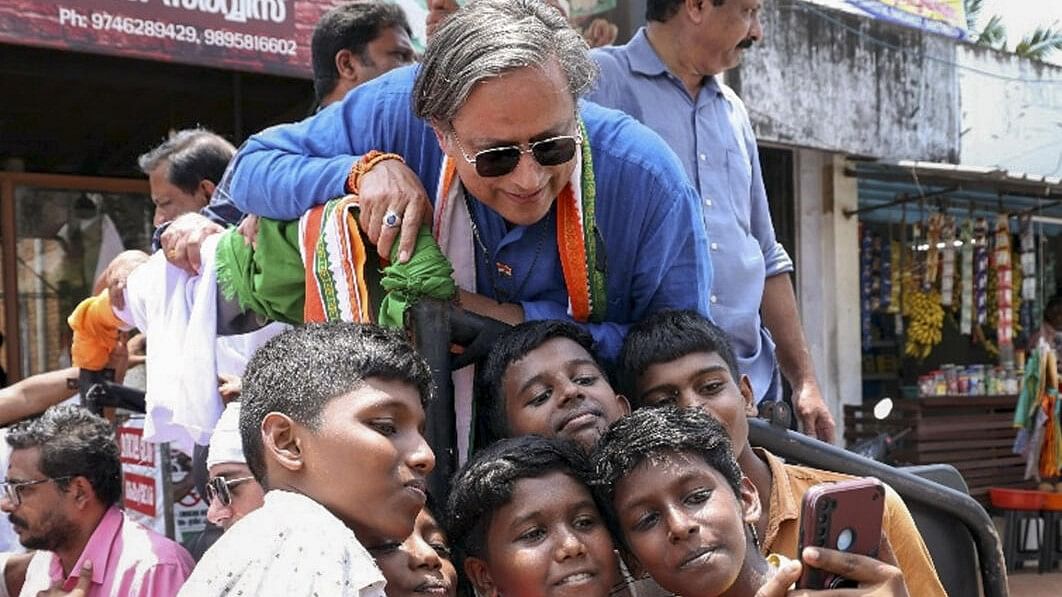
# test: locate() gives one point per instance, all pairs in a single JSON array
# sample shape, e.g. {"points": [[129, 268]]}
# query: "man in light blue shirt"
{"points": [[497, 96], [665, 78]]}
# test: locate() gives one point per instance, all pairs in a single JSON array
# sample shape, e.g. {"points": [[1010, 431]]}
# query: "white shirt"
{"points": [[290, 547]]}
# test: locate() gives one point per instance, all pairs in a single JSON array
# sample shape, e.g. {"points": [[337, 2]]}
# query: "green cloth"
{"points": [[1028, 399], [269, 280], [428, 273]]}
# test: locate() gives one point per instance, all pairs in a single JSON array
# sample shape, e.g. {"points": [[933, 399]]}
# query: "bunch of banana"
{"points": [[925, 322]]}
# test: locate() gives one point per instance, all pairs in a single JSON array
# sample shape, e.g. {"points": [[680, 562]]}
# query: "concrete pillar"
{"points": [[828, 292]]}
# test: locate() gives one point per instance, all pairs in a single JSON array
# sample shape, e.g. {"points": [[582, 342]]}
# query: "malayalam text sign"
{"points": [[253, 35]]}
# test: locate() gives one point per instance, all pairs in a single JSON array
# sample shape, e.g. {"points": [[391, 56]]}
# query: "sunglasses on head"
{"points": [[499, 161], [220, 488]]}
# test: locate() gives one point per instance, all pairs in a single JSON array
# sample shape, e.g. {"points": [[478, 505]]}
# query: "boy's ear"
{"points": [[745, 385], [625, 405], [479, 575], [750, 501], [281, 442]]}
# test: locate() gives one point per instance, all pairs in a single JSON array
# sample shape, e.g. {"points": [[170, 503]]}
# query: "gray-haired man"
{"points": [[548, 207]]}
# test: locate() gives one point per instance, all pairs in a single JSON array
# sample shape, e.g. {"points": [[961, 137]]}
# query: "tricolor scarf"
{"points": [[333, 256], [577, 239], [314, 270]]}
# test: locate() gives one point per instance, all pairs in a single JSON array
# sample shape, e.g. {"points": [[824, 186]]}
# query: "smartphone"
{"points": [[845, 516]]}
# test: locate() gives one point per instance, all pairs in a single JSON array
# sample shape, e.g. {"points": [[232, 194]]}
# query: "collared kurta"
{"points": [[713, 139], [790, 482], [128, 560], [654, 259]]}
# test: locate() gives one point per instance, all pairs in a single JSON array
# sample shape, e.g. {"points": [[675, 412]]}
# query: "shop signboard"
{"points": [[946, 17], [144, 490], [270, 36]]}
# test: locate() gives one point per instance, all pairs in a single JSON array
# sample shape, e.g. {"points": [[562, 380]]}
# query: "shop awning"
{"points": [[889, 190]]}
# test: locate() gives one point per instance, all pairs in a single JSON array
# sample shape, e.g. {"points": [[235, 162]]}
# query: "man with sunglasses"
{"points": [[61, 494], [548, 207], [232, 490], [673, 61]]}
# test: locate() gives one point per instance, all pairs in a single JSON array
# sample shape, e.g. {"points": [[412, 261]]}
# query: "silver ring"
{"points": [[391, 219]]}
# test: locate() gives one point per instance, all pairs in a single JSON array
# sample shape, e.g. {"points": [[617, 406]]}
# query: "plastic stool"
{"points": [[1051, 550], [1020, 508]]}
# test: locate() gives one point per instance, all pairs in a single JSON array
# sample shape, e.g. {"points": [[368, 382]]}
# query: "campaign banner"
{"points": [[270, 36], [139, 492], [944, 17], [144, 490], [142, 486]]}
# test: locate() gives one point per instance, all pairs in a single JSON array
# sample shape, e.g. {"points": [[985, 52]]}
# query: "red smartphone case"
{"points": [[845, 516]]}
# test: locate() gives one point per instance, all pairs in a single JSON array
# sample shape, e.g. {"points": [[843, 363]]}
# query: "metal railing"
{"points": [[794, 446]]}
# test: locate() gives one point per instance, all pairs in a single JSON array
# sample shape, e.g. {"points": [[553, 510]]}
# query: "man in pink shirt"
{"points": [[61, 493]]}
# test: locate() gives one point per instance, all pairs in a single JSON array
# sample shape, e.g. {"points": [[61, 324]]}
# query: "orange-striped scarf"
{"points": [[334, 258]]}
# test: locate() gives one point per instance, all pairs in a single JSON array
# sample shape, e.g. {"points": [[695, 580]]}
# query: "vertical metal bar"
{"points": [[167, 490], [430, 323], [40, 327], [8, 251]]}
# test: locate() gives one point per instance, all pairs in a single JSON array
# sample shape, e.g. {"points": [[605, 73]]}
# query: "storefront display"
{"points": [[949, 301]]}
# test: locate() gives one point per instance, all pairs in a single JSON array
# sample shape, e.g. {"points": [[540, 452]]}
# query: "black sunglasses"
{"points": [[219, 487], [499, 161]]}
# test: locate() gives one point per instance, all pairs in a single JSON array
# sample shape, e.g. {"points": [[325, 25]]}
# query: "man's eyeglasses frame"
{"points": [[13, 491]]}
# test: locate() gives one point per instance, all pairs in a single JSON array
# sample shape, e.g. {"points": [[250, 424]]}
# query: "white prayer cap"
{"points": [[226, 446]]}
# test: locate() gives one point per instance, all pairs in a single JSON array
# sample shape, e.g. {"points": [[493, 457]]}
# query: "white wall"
{"points": [[1006, 123], [844, 83]]}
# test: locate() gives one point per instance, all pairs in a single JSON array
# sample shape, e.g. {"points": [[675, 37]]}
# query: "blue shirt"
{"points": [[714, 141], [654, 258]]}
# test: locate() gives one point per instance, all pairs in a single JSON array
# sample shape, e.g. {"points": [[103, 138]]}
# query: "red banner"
{"points": [[139, 494], [270, 36], [133, 448]]}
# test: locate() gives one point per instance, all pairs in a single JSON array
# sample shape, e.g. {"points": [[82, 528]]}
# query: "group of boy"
{"points": [[331, 423], [542, 378], [331, 426]]}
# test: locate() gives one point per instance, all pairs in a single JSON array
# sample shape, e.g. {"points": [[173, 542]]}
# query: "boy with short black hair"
{"points": [[684, 512], [542, 377], [680, 358], [331, 420], [524, 522]]}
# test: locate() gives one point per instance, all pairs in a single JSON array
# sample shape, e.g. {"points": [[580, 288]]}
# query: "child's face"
{"points": [[683, 523], [368, 460], [557, 390], [701, 380], [421, 564], [549, 539]]}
